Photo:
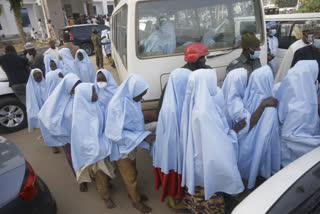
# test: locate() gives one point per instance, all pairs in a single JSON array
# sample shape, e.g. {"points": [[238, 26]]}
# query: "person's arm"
{"points": [[319, 106], [296, 58], [268, 102]]}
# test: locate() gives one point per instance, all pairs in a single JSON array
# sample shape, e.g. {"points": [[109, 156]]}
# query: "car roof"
{"points": [[293, 17], [263, 198], [81, 25]]}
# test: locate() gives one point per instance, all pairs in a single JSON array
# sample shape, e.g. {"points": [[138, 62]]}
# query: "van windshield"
{"points": [[167, 26]]}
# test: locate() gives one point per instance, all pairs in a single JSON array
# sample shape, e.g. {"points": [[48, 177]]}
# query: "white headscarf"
{"points": [[36, 95], [86, 71], [68, 61], [125, 122], [105, 94], [209, 158], [56, 114], [88, 144]]}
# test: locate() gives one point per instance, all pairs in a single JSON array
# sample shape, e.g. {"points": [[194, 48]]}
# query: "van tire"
{"points": [[17, 109], [88, 48]]}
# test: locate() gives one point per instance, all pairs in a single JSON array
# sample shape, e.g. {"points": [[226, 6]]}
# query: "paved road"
{"points": [[55, 171]]}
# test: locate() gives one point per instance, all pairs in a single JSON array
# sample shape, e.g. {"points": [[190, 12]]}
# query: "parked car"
{"points": [[294, 189], [289, 30], [80, 35], [13, 116], [22, 191]]}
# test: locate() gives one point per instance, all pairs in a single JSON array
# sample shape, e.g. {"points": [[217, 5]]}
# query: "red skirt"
{"points": [[171, 183]]}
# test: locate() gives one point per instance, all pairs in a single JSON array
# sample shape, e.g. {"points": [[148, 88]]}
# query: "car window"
{"points": [[119, 33], [81, 33], [302, 197], [285, 30], [297, 31], [166, 27]]}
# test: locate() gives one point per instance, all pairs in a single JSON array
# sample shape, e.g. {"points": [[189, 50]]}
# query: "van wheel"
{"points": [[13, 115], [88, 48]]}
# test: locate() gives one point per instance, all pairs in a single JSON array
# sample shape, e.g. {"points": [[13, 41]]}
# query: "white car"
{"points": [[13, 115], [294, 189]]}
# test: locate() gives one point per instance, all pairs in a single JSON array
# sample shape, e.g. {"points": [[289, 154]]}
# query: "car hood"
{"points": [[10, 156]]}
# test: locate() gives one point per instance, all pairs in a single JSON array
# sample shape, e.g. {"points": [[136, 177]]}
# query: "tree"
{"points": [[15, 7], [309, 6]]}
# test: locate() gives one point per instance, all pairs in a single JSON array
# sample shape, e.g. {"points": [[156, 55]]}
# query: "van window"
{"points": [[165, 27], [119, 31]]}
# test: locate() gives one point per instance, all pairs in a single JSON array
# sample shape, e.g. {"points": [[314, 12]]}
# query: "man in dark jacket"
{"points": [[17, 70]]}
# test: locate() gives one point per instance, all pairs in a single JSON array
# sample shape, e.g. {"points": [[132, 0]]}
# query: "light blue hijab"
{"points": [[298, 111], [125, 122], [88, 144], [47, 58], [105, 94], [68, 62], [56, 114], [259, 150], [233, 88], [86, 71], [36, 95], [167, 149], [209, 158], [53, 80]]}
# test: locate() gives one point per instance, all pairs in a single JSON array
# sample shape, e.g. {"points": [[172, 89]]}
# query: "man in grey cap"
{"points": [[35, 59], [307, 30], [249, 58]]}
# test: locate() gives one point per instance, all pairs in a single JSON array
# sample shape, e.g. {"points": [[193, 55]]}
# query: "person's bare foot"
{"points": [[141, 207], [83, 187], [55, 150], [110, 204]]}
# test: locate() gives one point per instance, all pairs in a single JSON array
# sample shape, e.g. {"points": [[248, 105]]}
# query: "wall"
{"points": [[55, 13]]}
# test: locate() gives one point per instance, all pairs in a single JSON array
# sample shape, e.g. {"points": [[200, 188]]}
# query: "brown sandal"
{"points": [[141, 207]]}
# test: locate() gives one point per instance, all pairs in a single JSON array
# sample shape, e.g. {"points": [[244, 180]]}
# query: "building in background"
{"points": [[56, 10], [103, 7]]}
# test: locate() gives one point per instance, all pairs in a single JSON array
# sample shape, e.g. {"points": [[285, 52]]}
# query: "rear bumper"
{"points": [[42, 202]]}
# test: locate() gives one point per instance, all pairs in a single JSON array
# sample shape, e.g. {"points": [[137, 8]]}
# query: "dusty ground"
{"points": [[56, 172]]}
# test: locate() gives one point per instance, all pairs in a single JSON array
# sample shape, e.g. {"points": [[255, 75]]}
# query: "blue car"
{"points": [[21, 190]]}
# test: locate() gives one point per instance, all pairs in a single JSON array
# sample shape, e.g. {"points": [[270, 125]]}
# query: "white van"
{"points": [[149, 36], [290, 30]]}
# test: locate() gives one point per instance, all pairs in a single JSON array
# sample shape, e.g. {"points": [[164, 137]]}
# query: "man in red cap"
{"points": [[195, 56]]}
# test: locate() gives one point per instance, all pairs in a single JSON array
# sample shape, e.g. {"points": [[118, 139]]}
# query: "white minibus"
{"points": [[149, 36]]}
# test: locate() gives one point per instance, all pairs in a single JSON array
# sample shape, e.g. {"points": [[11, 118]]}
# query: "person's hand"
{"points": [[240, 125], [270, 102], [270, 57], [150, 139]]}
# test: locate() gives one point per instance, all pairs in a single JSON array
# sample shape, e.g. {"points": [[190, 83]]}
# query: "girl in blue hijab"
{"points": [[209, 159], [106, 87], [36, 95], [85, 67], [89, 146], [68, 63], [47, 58], [167, 149], [233, 88], [259, 149], [56, 114], [298, 111], [53, 79], [125, 127]]}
